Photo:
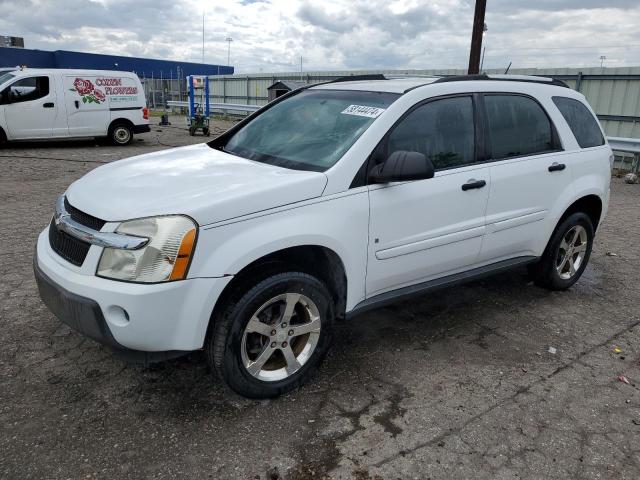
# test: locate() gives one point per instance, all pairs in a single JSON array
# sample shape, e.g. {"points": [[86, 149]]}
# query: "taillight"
{"points": [[145, 113]]}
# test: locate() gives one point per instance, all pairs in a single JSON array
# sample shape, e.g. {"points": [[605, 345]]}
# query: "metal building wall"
{"points": [[144, 67], [614, 93]]}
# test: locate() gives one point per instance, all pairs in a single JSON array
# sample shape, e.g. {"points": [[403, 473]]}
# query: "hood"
{"points": [[206, 184]]}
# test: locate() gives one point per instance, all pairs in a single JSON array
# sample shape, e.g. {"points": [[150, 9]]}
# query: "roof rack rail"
{"points": [[504, 78], [354, 78]]}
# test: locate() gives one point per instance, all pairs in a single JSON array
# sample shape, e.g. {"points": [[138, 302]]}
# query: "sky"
{"points": [[273, 35]]}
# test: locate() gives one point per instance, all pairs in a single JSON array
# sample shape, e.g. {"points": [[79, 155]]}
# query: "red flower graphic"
{"points": [[84, 87], [99, 95]]}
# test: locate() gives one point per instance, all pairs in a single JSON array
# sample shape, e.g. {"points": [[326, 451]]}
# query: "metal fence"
{"points": [[159, 91]]}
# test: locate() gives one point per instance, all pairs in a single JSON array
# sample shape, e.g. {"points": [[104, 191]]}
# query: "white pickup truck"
{"points": [[48, 104], [331, 200]]}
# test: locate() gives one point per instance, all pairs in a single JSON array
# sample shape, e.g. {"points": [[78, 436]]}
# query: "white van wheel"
{"points": [[121, 134]]}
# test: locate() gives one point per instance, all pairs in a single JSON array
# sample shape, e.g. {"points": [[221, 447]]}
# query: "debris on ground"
{"points": [[552, 350], [611, 254], [624, 379], [617, 350], [631, 178]]}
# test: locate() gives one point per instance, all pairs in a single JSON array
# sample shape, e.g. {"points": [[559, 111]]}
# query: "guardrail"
{"points": [[620, 144], [236, 107]]}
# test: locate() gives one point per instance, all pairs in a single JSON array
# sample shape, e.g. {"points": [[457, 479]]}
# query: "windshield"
{"points": [[310, 130], [5, 77]]}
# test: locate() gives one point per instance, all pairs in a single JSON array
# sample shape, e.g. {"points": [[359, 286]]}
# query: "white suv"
{"points": [[332, 200]]}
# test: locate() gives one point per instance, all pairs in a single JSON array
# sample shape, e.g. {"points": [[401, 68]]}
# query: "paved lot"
{"points": [[457, 385]]}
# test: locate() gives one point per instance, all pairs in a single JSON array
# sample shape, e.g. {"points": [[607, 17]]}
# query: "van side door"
{"points": [[425, 229], [87, 106], [30, 107]]}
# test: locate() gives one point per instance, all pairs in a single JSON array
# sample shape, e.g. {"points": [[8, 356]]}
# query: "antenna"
{"points": [[508, 67], [202, 36]]}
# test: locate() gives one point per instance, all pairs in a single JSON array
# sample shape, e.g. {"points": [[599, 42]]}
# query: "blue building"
{"points": [[144, 67]]}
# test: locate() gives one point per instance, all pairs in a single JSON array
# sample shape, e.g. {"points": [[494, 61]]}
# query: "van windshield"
{"points": [[310, 130]]}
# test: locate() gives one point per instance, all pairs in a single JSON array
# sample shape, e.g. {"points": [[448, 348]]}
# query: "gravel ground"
{"points": [[460, 384]]}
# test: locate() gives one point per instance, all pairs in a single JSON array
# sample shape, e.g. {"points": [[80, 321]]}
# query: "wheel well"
{"points": [[590, 204], [321, 262], [119, 121], [3, 136]]}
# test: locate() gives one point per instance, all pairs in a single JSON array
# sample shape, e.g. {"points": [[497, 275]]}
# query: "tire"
{"points": [[555, 271], [206, 131], [3, 138], [120, 134], [254, 364], [192, 131]]}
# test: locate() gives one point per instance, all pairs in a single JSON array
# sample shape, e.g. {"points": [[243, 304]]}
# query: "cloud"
{"points": [[272, 35]]}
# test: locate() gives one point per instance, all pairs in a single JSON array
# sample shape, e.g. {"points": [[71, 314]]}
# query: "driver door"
{"points": [[424, 229], [30, 107]]}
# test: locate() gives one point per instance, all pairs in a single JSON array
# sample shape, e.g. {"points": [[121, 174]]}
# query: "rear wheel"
{"points": [[121, 134], [566, 255], [273, 338]]}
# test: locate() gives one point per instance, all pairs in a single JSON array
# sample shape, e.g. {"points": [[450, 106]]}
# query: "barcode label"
{"points": [[363, 111]]}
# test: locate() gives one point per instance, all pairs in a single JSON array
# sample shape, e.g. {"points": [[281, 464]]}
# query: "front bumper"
{"points": [[144, 322]]}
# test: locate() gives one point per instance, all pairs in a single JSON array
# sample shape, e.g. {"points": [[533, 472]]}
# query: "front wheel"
{"points": [[566, 255], [272, 339]]}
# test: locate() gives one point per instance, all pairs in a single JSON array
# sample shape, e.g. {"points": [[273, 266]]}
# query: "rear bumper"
{"points": [[141, 128]]}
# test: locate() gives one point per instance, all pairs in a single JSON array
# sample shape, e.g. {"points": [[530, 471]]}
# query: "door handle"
{"points": [[77, 103], [473, 184], [48, 105], [557, 167]]}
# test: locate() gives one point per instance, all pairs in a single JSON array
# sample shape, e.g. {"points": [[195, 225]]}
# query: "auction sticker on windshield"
{"points": [[363, 111]]}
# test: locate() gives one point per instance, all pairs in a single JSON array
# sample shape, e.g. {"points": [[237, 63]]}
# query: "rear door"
{"points": [[30, 107], [528, 174], [86, 104], [427, 228]]}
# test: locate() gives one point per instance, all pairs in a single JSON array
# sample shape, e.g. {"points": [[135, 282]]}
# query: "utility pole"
{"points": [[476, 37], [300, 67], [228, 40]]}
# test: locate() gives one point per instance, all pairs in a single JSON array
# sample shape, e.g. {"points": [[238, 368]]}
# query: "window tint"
{"points": [[582, 123], [443, 130], [27, 89], [518, 126]]}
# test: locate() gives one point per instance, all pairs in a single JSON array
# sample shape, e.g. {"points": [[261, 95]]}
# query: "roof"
{"points": [[82, 71], [378, 83]]}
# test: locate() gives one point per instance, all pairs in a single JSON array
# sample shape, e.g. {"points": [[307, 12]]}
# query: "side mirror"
{"points": [[402, 166]]}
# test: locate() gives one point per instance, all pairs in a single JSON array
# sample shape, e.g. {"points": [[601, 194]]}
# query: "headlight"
{"points": [[165, 257]]}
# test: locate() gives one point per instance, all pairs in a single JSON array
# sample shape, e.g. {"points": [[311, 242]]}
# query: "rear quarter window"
{"points": [[581, 122]]}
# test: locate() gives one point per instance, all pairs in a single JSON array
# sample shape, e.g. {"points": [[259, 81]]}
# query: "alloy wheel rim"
{"points": [[280, 337], [571, 252]]}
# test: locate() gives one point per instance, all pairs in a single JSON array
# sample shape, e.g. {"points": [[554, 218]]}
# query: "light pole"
{"points": [[228, 40], [602, 59]]}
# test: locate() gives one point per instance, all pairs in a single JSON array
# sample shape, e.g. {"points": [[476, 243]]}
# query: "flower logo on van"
{"points": [[88, 92]]}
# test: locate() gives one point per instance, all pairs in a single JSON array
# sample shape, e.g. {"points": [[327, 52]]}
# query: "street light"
{"points": [[228, 40], [602, 59]]}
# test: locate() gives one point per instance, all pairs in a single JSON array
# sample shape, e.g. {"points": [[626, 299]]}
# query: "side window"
{"points": [[443, 130], [27, 89], [518, 126], [581, 121]]}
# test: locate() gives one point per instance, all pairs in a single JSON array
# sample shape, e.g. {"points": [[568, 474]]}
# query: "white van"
{"points": [[43, 104]]}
